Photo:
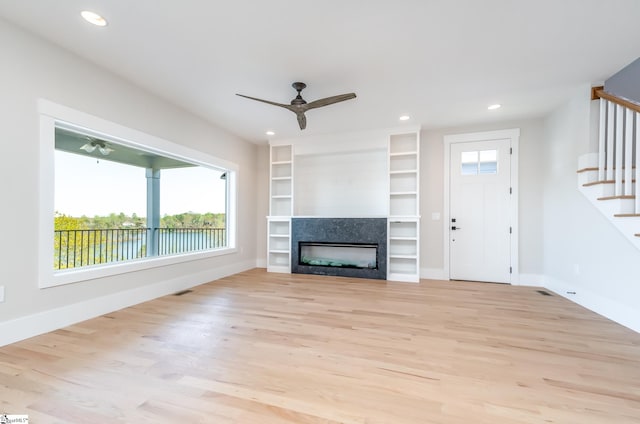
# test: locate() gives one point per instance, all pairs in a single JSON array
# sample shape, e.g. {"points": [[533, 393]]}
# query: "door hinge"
{"points": [[510, 270], [510, 190], [510, 150], [510, 230]]}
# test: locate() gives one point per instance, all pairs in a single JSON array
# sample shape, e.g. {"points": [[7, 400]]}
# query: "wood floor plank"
{"points": [[281, 349]]}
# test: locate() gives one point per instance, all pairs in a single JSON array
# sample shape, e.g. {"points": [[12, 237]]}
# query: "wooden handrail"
{"points": [[599, 93]]}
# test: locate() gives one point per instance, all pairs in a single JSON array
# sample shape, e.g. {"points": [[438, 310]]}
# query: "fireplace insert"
{"points": [[345, 255]]}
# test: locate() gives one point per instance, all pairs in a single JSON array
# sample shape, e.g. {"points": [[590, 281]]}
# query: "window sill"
{"points": [[58, 278]]}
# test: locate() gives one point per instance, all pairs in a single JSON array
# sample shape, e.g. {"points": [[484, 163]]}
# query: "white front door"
{"points": [[479, 227]]}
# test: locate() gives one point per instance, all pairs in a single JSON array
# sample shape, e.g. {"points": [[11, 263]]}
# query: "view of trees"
{"points": [[113, 220]]}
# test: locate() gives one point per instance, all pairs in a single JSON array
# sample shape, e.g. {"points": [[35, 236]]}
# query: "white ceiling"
{"points": [[440, 61]]}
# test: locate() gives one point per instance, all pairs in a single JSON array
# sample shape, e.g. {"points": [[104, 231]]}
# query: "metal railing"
{"points": [[172, 241], [79, 248]]}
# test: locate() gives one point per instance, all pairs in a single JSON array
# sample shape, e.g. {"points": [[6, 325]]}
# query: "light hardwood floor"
{"points": [[274, 348]]}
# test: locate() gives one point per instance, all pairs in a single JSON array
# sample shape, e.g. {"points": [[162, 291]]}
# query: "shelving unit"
{"points": [[280, 209], [403, 247]]}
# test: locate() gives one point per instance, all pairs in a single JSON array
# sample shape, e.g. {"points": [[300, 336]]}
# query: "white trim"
{"points": [[512, 134], [52, 115], [620, 313], [106, 270], [53, 319]]}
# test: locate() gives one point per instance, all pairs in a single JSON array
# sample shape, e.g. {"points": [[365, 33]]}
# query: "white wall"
{"points": [[530, 197], [345, 184], [583, 252], [33, 68]]}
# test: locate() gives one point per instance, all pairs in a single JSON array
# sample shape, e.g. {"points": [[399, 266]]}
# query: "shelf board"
{"points": [[392, 238], [414, 153], [281, 179], [279, 235], [282, 162], [404, 171], [279, 252], [403, 256], [403, 218], [403, 193], [282, 196]]}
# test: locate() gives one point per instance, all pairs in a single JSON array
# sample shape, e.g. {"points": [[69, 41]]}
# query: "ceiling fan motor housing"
{"points": [[299, 86]]}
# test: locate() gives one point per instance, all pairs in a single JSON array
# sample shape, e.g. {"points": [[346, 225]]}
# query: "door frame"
{"points": [[513, 135]]}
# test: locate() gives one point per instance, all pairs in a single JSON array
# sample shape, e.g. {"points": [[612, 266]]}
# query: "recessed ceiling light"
{"points": [[93, 18], [270, 133], [494, 107], [405, 118]]}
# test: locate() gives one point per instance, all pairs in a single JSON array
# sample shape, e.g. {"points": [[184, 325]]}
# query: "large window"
{"points": [[123, 204]]}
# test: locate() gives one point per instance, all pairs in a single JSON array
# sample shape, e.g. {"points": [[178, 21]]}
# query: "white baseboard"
{"points": [[261, 263], [533, 280], [433, 274], [53, 319], [622, 314]]}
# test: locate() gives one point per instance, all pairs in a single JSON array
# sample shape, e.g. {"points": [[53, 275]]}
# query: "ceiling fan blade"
{"points": [[329, 101], [266, 101], [302, 120]]}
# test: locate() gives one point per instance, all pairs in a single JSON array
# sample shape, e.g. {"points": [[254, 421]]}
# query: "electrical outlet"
{"points": [[1, 294]]}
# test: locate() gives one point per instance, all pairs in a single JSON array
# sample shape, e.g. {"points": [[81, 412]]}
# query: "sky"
{"points": [[95, 186]]}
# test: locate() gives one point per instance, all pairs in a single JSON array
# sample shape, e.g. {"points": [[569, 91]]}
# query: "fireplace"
{"points": [[348, 247], [344, 255]]}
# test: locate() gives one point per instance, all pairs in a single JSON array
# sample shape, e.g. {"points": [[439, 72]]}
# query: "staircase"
{"points": [[608, 178]]}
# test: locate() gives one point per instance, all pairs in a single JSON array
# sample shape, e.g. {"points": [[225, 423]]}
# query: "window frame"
{"points": [[52, 115]]}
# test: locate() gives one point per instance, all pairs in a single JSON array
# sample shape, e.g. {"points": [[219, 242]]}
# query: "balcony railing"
{"points": [[79, 248]]}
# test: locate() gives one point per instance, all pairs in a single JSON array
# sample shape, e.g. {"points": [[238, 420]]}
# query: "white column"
{"points": [[153, 210]]}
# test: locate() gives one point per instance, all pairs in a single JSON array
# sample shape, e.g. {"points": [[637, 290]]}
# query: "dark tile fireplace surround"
{"points": [[342, 234]]}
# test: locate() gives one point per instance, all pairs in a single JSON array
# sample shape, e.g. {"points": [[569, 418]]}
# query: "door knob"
{"points": [[456, 228]]}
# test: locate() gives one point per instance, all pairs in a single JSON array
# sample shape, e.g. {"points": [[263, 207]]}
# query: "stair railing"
{"points": [[618, 152]]}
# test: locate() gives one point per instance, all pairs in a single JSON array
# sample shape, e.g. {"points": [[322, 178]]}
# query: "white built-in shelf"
{"points": [[403, 227], [280, 209]]}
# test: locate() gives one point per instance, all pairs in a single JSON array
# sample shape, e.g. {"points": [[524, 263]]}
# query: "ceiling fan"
{"points": [[299, 105]]}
